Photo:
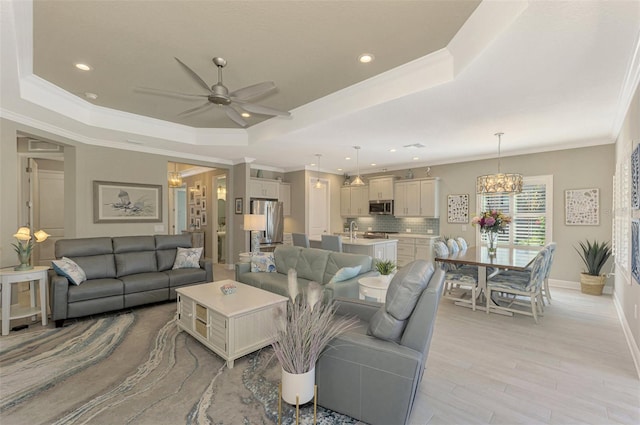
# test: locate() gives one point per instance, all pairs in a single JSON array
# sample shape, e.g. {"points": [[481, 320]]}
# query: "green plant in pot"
{"points": [[594, 255], [386, 269]]}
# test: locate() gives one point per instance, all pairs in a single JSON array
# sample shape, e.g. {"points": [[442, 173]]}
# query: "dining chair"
{"points": [[453, 246], [464, 280], [300, 239], [331, 243], [462, 243], [514, 289]]}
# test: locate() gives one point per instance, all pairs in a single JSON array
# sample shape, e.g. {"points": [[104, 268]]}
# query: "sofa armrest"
{"points": [[58, 289], [207, 265], [363, 310], [242, 268], [349, 288]]}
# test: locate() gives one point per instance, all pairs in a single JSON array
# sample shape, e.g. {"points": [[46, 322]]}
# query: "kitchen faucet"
{"points": [[353, 226]]}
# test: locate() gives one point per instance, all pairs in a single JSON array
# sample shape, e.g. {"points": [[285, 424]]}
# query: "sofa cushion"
{"points": [[97, 266], [69, 269], [94, 289], [84, 247], [263, 262], [286, 257], [166, 249], [142, 282], [187, 258], [135, 262], [338, 260], [312, 263], [345, 273], [403, 294], [179, 277], [123, 244]]}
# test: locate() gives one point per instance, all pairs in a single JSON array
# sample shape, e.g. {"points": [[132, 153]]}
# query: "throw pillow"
{"points": [[345, 273], [69, 269], [263, 262], [187, 258]]}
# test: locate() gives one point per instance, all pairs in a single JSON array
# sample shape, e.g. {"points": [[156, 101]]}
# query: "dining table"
{"points": [[506, 258]]}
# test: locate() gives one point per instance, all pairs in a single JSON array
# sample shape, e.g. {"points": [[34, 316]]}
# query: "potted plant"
{"points": [[386, 269], [594, 255], [309, 326]]}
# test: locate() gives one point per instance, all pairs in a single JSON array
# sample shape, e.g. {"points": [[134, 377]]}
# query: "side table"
{"points": [[373, 287], [10, 276]]}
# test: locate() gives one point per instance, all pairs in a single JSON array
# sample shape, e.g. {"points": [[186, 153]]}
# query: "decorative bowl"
{"points": [[228, 289]]}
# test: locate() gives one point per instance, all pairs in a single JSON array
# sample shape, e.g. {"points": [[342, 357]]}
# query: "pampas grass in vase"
{"points": [[309, 327]]}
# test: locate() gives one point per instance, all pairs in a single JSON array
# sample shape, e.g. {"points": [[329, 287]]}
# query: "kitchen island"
{"points": [[382, 249]]}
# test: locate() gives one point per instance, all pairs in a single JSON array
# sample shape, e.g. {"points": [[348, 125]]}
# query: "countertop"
{"points": [[359, 241]]}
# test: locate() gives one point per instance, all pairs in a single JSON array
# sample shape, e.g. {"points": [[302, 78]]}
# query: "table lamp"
{"points": [[25, 245], [255, 224]]}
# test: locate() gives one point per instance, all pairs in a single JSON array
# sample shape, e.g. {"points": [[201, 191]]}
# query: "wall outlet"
{"points": [[464, 228], [430, 232], [408, 230], [158, 228]]}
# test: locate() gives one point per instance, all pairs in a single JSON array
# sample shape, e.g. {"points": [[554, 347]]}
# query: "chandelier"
{"points": [[500, 182], [175, 178]]}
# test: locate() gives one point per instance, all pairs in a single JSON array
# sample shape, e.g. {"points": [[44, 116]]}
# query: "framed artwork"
{"points": [[192, 195], [198, 223], [198, 201], [203, 204], [198, 212], [203, 218], [115, 202], [635, 178], [238, 209], [198, 185], [192, 210], [203, 192], [582, 207], [192, 221], [458, 208], [635, 249]]}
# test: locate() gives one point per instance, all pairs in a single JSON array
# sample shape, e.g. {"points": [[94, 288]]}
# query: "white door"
{"points": [[48, 212], [318, 211]]}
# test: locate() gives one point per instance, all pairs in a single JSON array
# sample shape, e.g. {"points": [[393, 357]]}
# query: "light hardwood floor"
{"points": [[573, 367]]}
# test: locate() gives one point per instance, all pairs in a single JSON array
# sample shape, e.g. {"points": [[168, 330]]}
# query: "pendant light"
{"points": [[500, 182], [358, 180], [318, 184], [175, 178]]}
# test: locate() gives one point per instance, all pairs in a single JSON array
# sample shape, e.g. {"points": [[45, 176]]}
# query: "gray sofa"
{"points": [[121, 272], [311, 264], [372, 373]]}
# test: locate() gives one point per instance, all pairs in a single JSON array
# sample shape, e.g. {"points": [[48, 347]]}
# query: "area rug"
{"points": [[136, 368]]}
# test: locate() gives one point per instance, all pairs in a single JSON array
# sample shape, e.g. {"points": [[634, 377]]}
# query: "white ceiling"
{"points": [[448, 75]]}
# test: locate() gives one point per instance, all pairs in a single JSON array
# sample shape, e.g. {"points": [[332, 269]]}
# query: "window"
{"points": [[531, 212]]}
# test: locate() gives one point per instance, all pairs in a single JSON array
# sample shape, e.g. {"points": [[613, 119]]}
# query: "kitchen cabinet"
{"points": [[263, 188], [381, 249], [429, 191], [407, 199], [354, 201], [414, 248], [285, 198], [417, 198], [381, 189]]}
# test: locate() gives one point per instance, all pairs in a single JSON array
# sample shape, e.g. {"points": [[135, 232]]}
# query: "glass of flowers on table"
{"points": [[492, 223]]}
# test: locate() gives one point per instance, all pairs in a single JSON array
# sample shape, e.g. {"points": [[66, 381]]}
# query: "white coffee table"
{"points": [[373, 287], [230, 325]]}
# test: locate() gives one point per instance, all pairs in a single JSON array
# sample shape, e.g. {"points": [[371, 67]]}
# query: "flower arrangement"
{"points": [[492, 221], [24, 246]]}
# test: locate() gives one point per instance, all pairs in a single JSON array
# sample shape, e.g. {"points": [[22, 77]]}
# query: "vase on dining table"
{"points": [[492, 243]]}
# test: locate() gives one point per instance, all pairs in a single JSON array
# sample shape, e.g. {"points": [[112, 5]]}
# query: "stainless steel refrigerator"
{"points": [[275, 219]]}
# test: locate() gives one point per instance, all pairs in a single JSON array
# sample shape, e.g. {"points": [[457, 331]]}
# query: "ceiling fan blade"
{"points": [[196, 109], [235, 115], [194, 75], [253, 91], [167, 92], [264, 110]]}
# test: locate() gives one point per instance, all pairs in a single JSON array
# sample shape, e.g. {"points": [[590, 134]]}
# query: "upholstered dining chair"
{"points": [[464, 280], [300, 239], [515, 289], [462, 243], [372, 372], [331, 243]]}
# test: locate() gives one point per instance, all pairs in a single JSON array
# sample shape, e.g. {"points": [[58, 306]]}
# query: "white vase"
{"points": [[386, 278], [300, 384]]}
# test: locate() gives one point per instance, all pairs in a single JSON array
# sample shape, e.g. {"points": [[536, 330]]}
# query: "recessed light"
{"points": [[339, 169], [83, 67], [373, 164], [415, 158], [313, 164], [347, 158], [91, 96], [245, 114], [392, 150], [365, 58]]}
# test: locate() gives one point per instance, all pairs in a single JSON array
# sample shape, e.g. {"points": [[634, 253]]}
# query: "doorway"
{"points": [[319, 208], [220, 215]]}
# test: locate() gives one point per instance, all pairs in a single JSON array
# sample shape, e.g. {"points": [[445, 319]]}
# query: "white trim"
{"points": [[633, 345]]}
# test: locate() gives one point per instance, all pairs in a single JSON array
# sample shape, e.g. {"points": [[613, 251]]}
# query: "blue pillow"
{"points": [[69, 269], [345, 273], [263, 262]]}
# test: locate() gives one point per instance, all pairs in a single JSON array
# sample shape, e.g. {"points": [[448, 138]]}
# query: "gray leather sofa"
{"points": [[311, 264], [372, 373], [121, 272]]}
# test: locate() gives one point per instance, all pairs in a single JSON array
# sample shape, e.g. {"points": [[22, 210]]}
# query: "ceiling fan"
{"points": [[232, 102]]}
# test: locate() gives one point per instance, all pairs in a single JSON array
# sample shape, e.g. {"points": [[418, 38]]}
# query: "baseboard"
{"points": [[570, 284], [633, 346]]}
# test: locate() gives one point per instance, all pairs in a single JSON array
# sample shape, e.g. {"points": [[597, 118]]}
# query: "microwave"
{"points": [[381, 207]]}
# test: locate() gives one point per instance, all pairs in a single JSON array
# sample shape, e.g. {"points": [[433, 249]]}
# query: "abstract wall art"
{"points": [[582, 207], [458, 208]]}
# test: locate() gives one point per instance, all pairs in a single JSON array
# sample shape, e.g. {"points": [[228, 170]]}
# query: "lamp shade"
{"points": [[23, 234], [41, 236], [501, 182], [255, 222]]}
